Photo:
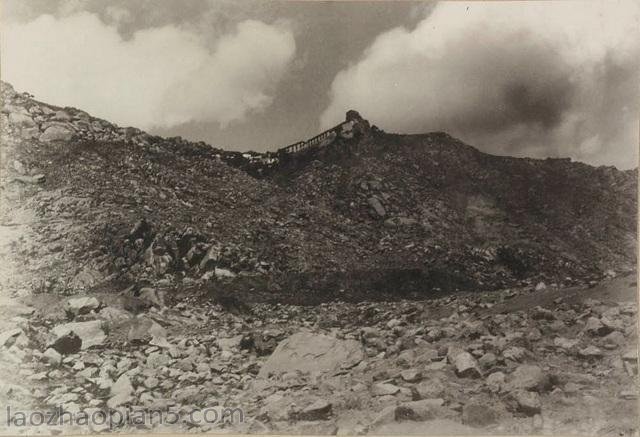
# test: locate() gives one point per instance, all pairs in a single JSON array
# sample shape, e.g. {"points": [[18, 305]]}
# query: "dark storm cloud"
{"points": [[527, 78]]}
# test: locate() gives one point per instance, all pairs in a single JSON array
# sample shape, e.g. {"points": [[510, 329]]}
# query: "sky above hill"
{"points": [[516, 78]]}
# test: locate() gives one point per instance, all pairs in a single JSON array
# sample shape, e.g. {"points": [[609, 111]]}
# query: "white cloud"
{"points": [[159, 77], [521, 78]]}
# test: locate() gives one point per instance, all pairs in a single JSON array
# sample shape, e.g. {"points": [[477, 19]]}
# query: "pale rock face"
{"points": [[313, 353], [528, 402], [528, 377], [466, 365], [82, 305], [21, 119], [384, 389], [143, 329], [52, 357], [121, 392], [91, 332], [57, 132]]}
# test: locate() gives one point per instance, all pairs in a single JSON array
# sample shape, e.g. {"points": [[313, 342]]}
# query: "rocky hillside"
{"points": [[375, 215]]}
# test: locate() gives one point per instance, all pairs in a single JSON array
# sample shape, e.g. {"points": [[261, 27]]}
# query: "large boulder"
{"points": [[121, 392], [374, 202], [81, 305], [57, 132], [90, 333], [70, 343], [21, 119], [143, 329], [530, 377], [465, 365], [312, 353]]}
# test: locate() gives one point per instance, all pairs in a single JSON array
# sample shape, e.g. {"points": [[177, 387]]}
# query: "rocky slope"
{"points": [[423, 212], [187, 273]]}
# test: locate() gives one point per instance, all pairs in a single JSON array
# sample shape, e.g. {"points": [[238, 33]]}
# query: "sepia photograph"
{"points": [[301, 217]]}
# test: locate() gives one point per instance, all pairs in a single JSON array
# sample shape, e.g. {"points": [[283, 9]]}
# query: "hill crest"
{"points": [[366, 214]]}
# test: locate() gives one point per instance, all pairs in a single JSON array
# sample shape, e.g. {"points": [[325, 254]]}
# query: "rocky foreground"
{"points": [[542, 360]]}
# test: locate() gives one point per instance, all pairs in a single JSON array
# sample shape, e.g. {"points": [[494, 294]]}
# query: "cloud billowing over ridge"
{"points": [[161, 76], [519, 78]]}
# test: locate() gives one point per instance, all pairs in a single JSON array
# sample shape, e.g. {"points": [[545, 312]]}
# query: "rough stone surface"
{"points": [[529, 377], [313, 353], [82, 305], [57, 133], [466, 366], [91, 332], [478, 415]]}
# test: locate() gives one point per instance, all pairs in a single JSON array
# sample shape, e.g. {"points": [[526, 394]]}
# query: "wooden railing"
{"points": [[315, 141]]}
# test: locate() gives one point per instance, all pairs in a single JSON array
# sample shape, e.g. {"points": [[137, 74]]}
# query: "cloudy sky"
{"points": [[518, 78]]}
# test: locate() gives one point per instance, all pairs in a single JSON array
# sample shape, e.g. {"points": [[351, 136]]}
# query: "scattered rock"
{"points": [[629, 395], [114, 315], [35, 179], [428, 389], [52, 357], [57, 132], [90, 333], [612, 324], [528, 402], [466, 366], [152, 296], [421, 410], [478, 415], [411, 375], [384, 389], [81, 305], [487, 360], [314, 353], [144, 330], [539, 313], [631, 356], [8, 337], [591, 352], [21, 119], [496, 381], [595, 327], [528, 377], [374, 202], [565, 343], [613, 340], [515, 353], [319, 410], [223, 273], [121, 392], [69, 343]]}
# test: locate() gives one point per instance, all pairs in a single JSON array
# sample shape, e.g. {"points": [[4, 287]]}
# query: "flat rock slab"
{"points": [[312, 353], [90, 333]]}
